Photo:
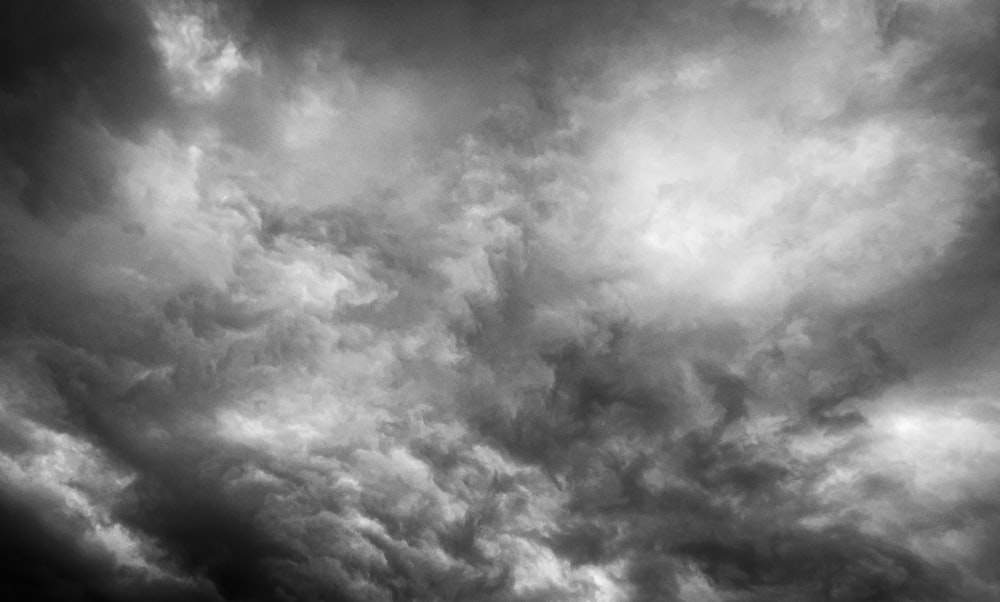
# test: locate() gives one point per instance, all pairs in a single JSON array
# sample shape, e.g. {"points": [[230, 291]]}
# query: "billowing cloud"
{"points": [[499, 301]]}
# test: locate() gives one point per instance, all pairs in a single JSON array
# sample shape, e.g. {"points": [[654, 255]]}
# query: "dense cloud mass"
{"points": [[499, 300]]}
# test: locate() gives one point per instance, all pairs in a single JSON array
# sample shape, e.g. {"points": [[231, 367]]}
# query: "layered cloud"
{"points": [[499, 301]]}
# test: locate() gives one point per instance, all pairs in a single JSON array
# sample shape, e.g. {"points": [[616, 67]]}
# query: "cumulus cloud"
{"points": [[498, 301]]}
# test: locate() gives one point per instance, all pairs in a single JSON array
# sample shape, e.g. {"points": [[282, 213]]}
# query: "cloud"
{"points": [[601, 301]]}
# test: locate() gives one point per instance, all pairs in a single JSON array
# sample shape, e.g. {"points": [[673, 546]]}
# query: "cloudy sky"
{"points": [[500, 300]]}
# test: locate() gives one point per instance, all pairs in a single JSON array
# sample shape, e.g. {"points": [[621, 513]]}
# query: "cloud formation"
{"points": [[499, 301]]}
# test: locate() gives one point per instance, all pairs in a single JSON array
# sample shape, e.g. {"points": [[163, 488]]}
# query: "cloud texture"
{"points": [[499, 301]]}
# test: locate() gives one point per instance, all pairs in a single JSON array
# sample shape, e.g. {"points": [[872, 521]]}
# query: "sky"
{"points": [[495, 300]]}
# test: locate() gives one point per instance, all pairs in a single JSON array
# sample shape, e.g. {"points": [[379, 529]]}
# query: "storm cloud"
{"points": [[596, 300]]}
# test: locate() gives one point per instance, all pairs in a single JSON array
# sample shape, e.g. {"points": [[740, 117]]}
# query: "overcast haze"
{"points": [[500, 300]]}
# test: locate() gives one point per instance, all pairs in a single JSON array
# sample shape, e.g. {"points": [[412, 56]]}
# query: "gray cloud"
{"points": [[464, 301]]}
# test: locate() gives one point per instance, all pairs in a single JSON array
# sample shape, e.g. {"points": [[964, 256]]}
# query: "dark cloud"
{"points": [[66, 67], [99, 56], [498, 301]]}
